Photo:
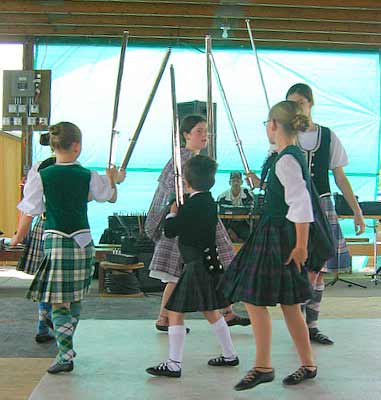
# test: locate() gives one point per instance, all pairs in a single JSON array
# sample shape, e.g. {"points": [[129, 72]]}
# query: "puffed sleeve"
{"points": [[33, 201], [100, 188], [297, 196], [337, 154]]}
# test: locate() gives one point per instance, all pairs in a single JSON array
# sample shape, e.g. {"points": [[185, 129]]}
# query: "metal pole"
{"points": [[258, 63], [147, 107], [231, 122], [176, 155], [209, 102], [114, 132]]}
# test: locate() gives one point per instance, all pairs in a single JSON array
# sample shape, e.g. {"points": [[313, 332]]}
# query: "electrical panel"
{"points": [[26, 99]]}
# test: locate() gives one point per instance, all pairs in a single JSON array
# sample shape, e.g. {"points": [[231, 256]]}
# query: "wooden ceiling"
{"points": [[345, 24]]}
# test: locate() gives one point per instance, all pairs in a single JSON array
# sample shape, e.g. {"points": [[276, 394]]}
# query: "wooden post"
{"points": [[27, 131]]}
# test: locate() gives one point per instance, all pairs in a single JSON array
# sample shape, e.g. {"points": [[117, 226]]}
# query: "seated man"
{"points": [[236, 196]]}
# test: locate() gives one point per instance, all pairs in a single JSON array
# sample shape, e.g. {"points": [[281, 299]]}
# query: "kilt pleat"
{"points": [[65, 273], [197, 289], [258, 274], [342, 260], [34, 249]]}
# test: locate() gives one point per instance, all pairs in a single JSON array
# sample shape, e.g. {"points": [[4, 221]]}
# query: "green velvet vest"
{"points": [[66, 191]]}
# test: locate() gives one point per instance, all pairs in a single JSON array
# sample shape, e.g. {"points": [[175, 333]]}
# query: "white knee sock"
{"points": [[176, 338], [222, 332]]}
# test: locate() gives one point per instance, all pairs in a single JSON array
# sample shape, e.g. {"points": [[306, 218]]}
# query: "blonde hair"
{"points": [[290, 116], [63, 135]]}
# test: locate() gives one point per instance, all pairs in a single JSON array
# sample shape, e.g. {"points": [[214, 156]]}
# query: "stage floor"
{"points": [[113, 355]]}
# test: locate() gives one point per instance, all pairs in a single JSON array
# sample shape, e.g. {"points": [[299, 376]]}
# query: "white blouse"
{"points": [[297, 196], [33, 201]]}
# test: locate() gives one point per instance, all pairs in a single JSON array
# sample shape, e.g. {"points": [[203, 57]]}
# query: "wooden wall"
{"points": [[10, 175], [324, 24]]}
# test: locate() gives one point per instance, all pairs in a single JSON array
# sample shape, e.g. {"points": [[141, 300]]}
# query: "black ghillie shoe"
{"points": [[163, 370], [238, 320], [300, 375], [164, 328], [254, 378], [318, 337], [57, 368], [221, 361]]}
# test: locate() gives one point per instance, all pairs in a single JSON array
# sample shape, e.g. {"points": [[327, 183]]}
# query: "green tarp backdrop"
{"points": [[346, 86]]}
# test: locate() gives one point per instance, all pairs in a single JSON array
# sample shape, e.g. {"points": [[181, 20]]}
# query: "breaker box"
{"points": [[26, 99]]}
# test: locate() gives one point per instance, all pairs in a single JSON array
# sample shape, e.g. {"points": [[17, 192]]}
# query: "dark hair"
{"points": [[303, 90], [187, 124], [200, 172], [63, 135], [290, 116], [45, 139], [235, 174]]}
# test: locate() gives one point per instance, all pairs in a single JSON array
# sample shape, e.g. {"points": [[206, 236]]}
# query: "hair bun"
{"points": [[54, 130], [300, 122]]}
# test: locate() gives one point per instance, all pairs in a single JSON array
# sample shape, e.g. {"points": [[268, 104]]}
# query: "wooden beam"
{"points": [[343, 4], [180, 9], [194, 34], [122, 22], [196, 43]]}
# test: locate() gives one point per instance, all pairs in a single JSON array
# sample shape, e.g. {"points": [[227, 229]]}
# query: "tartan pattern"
{"points": [[75, 309], [165, 191], [197, 290], [166, 257], [342, 260], [34, 251], [258, 274], [65, 272], [63, 331]]}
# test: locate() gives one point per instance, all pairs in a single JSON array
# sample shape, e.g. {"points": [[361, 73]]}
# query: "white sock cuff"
{"points": [[176, 330], [220, 324]]}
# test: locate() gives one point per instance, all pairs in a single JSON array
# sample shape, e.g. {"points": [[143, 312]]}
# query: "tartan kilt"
{"points": [[258, 274], [342, 260], [166, 257], [65, 272], [34, 249], [197, 289]]}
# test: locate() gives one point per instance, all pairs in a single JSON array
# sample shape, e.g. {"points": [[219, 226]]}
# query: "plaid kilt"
{"points": [[258, 274], [34, 249], [342, 260], [197, 289], [166, 257], [65, 272]]}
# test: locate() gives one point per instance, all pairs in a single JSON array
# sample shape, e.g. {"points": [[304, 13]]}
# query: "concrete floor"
{"points": [[113, 355], [121, 333]]}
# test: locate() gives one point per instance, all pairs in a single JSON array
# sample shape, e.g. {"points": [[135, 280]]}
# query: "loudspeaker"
{"points": [[148, 284], [199, 108]]}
